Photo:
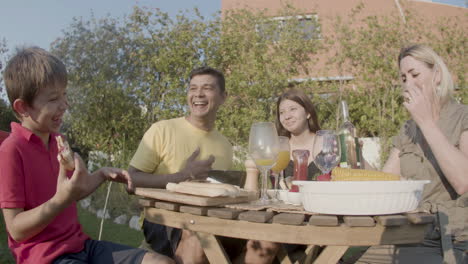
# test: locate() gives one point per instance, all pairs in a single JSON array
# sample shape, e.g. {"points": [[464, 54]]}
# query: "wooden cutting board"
{"points": [[165, 195]]}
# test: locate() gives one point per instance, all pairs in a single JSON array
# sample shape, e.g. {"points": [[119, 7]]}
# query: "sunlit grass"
{"points": [[111, 232]]}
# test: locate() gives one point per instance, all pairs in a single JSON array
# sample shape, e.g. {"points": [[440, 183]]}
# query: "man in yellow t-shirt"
{"points": [[185, 148], [180, 149]]}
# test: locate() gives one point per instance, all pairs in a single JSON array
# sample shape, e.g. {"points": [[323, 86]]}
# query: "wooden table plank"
{"points": [[146, 202], [289, 219], [392, 220], [358, 220], [305, 234], [165, 195], [212, 248], [256, 216], [224, 213], [195, 210], [167, 206], [323, 220]]}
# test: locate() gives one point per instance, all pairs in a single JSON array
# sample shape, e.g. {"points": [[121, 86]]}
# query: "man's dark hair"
{"points": [[205, 70]]}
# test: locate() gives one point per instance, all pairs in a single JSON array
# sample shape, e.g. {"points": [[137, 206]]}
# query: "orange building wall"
{"points": [[329, 9]]}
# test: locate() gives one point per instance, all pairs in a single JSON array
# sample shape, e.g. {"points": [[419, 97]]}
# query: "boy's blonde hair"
{"points": [[434, 62], [30, 70]]}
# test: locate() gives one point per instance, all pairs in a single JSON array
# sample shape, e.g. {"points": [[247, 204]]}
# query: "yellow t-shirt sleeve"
{"points": [[147, 156]]}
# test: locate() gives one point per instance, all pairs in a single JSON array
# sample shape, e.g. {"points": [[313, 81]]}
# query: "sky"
{"points": [[40, 22]]}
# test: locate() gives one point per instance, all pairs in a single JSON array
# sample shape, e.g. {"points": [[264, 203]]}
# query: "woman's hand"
{"points": [[422, 108]]}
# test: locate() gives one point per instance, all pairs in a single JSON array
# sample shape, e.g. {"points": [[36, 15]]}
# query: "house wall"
{"points": [[327, 10]]}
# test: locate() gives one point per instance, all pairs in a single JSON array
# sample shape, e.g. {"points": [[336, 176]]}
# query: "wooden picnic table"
{"points": [[335, 233]]}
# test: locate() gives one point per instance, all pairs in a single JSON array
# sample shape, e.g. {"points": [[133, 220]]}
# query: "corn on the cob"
{"points": [[344, 174]]}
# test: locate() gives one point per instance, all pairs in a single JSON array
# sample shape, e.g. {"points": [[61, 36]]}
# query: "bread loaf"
{"points": [[232, 190], [190, 189]]}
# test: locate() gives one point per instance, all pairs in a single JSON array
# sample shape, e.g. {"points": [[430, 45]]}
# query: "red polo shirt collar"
{"points": [[19, 130]]}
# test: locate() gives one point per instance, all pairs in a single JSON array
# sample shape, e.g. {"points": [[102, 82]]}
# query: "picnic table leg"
{"points": [[213, 249], [331, 254], [311, 253], [282, 256]]}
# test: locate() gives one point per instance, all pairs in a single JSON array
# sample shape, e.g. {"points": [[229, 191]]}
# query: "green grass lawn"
{"points": [[111, 232]]}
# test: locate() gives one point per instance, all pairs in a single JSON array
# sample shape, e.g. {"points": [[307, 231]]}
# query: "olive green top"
{"points": [[417, 162]]}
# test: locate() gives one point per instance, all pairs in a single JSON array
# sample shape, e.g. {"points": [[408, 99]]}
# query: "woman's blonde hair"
{"points": [[428, 56]]}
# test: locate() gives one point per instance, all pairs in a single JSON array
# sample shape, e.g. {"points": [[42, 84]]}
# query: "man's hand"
{"points": [[197, 169]]}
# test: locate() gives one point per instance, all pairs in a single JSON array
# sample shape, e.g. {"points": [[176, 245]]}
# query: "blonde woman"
{"points": [[432, 145]]}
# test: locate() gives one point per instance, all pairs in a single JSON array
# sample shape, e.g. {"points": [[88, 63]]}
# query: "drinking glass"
{"points": [[328, 148], [281, 163], [263, 148]]}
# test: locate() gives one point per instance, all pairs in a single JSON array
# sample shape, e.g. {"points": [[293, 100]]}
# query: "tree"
{"points": [[6, 113], [126, 74], [259, 57]]}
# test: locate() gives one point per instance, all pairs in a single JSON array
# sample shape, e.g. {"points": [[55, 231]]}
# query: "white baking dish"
{"points": [[360, 197]]}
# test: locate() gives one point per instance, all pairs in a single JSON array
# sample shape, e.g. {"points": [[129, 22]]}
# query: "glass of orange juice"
{"points": [[263, 148], [281, 163]]}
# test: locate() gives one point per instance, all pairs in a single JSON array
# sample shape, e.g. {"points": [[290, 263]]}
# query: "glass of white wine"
{"points": [[263, 148], [328, 148]]}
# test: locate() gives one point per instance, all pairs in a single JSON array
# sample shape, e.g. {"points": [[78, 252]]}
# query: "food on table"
{"points": [[344, 174], [324, 177], [301, 157], [65, 156], [207, 189]]}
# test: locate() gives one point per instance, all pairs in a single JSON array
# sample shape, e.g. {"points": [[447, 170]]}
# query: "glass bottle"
{"points": [[301, 162], [349, 143]]}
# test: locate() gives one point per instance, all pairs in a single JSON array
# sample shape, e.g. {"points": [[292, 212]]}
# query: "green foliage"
{"points": [[369, 46], [6, 115], [257, 68], [5, 254], [127, 74]]}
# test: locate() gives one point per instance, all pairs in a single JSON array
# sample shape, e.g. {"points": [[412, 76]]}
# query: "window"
{"points": [[307, 25]]}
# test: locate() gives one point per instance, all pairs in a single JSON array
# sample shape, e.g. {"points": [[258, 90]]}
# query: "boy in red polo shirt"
{"points": [[37, 196]]}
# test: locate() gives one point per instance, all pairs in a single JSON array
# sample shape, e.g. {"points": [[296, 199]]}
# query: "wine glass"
{"points": [[281, 163], [263, 148], [328, 148]]}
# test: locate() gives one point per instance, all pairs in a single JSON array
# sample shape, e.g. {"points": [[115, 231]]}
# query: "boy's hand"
{"points": [[118, 175], [197, 169], [80, 184]]}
